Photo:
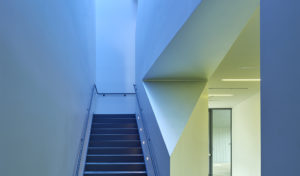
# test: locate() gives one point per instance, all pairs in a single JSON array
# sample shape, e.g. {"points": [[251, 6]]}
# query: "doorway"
{"points": [[220, 149]]}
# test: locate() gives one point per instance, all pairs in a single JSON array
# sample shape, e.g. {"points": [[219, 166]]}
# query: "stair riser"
{"points": [[115, 167], [114, 147], [96, 116], [114, 131], [114, 120], [114, 137], [115, 144], [117, 159], [115, 151], [114, 125], [131, 174]]}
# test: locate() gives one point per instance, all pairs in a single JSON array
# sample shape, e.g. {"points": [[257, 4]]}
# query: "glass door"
{"points": [[220, 142]]}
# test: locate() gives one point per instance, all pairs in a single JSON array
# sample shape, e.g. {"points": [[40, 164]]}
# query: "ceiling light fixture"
{"points": [[228, 88], [220, 95], [241, 80], [248, 68]]}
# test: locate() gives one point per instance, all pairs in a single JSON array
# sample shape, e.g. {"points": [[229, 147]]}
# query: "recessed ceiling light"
{"points": [[228, 88], [248, 68], [241, 80], [220, 95]]}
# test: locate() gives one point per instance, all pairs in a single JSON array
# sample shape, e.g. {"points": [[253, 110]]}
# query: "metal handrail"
{"points": [[153, 158], [83, 133], [116, 93], [113, 93]]}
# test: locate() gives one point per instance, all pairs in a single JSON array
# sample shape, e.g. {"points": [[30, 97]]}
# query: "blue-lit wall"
{"points": [[47, 71], [115, 45], [280, 73], [157, 23]]}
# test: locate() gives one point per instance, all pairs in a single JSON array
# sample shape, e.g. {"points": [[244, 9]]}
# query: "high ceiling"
{"points": [[241, 62]]}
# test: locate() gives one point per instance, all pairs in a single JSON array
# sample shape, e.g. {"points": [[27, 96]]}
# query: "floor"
{"points": [[221, 169]]}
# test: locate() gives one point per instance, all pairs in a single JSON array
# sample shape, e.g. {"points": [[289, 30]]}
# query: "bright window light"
{"points": [[241, 80]]}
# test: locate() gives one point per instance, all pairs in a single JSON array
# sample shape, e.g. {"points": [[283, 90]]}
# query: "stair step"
{"points": [[114, 131], [115, 173], [115, 143], [115, 158], [140, 166], [114, 147], [115, 150], [114, 137], [96, 116], [114, 120], [114, 125]]}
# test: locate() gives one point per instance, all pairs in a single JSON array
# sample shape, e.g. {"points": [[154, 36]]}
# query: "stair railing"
{"points": [[83, 133], [85, 127], [146, 132]]}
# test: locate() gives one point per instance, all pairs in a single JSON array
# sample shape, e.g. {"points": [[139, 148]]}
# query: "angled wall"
{"points": [[173, 103], [190, 156], [165, 65], [47, 71], [157, 23], [280, 74], [203, 41]]}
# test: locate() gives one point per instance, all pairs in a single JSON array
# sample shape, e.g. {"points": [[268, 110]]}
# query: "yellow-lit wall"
{"points": [[246, 137], [190, 156]]}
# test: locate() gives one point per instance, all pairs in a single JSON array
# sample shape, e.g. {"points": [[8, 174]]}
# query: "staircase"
{"points": [[115, 147]]}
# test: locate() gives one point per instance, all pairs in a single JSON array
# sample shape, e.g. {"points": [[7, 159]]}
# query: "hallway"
{"points": [[123, 87]]}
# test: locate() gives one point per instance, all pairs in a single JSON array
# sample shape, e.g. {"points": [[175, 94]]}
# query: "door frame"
{"points": [[210, 110]]}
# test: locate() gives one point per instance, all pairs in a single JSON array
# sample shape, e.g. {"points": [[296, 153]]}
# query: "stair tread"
{"points": [[95, 147], [97, 123], [114, 125], [125, 134], [114, 163], [114, 115], [116, 128], [115, 147], [115, 143], [113, 134], [115, 155], [119, 140], [113, 172], [114, 118]]}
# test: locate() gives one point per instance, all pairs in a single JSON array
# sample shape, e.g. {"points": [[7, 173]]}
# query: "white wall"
{"points": [[116, 104], [246, 138], [115, 44], [47, 70], [157, 23]]}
